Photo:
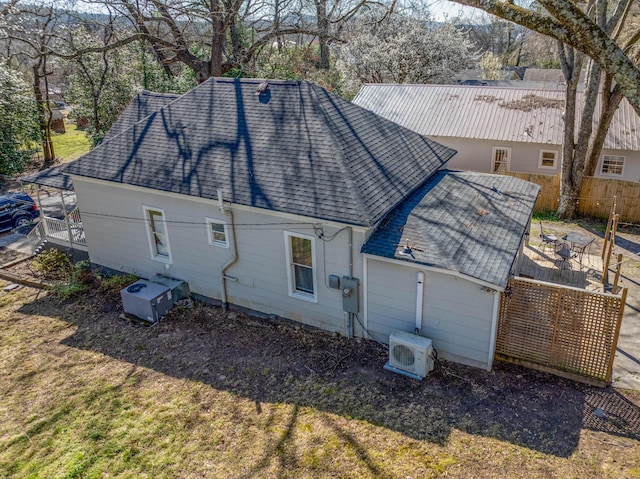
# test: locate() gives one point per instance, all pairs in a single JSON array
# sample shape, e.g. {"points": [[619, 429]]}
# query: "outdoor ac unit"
{"points": [[410, 355], [146, 300]]}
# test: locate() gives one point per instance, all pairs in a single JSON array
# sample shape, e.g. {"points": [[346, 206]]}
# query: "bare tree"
{"points": [[567, 23], [604, 23]]}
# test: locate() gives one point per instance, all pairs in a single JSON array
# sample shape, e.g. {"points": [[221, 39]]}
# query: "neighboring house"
{"points": [[269, 199], [493, 129]]}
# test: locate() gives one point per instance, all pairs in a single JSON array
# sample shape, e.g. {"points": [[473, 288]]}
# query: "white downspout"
{"points": [[419, 297], [226, 210]]}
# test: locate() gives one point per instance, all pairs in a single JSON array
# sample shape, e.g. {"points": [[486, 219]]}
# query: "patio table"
{"points": [[579, 243]]}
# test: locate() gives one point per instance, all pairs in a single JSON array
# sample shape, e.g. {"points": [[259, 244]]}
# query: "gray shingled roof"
{"points": [[143, 105], [297, 149], [471, 223], [490, 113], [53, 177]]}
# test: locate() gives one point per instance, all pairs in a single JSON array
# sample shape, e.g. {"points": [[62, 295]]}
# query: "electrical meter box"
{"points": [[146, 300], [350, 294]]}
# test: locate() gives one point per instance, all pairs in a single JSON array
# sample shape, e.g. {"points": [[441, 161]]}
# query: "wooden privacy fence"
{"points": [[596, 195], [549, 189], [566, 331]]}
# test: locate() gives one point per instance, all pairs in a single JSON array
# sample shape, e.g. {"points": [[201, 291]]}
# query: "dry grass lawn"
{"points": [[84, 394]]}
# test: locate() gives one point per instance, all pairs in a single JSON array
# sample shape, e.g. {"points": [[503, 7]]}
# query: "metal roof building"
{"points": [[489, 113]]}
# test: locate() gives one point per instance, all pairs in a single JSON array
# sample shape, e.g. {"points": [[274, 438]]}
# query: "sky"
{"points": [[443, 9]]}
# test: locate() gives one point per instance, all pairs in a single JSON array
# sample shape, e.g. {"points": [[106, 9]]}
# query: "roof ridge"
{"points": [[355, 193]]}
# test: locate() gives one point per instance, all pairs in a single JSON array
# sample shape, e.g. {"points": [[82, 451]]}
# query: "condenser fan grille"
{"points": [[403, 355]]}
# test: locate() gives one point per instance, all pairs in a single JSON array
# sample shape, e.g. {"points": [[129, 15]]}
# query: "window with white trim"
{"points": [[218, 232], [612, 165], [548, 159], [500, 159], [301, 260], [157, 234]]}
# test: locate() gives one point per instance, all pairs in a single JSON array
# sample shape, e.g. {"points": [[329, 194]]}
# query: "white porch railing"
{"points": [[64, 231], [36, 236]]}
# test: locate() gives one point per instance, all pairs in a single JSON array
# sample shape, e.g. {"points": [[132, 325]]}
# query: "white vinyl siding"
{"points": [[612, 165], [548, 159], [456, 314], [501, 159], [301, 261], [157, 234], [261, 269], [218, 233]]}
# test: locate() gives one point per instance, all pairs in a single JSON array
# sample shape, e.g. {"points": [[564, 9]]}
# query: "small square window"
{"points": [[612, 165], [218, 234], [548, 159]]}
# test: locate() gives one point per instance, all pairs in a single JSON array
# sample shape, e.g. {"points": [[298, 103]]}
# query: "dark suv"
{"points": [[16, 209]]}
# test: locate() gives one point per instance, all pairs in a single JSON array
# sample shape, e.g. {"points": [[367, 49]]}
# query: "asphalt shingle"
{"points": [[296, 149], [471, 223]]}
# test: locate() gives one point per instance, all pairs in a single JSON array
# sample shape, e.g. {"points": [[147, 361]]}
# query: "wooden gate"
{"points": [[566, 331]]}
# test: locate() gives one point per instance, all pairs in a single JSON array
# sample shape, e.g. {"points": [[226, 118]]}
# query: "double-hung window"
{"points": [[157, 234], [501, 157], [612, 165], [301, 260], [548, 159]]}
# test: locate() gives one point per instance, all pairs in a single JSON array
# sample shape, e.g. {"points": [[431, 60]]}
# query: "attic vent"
{"points": [[262, 88], [482, 212]]}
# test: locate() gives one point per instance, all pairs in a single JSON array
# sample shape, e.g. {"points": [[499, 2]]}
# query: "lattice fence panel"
{"points": [[566, 329]]}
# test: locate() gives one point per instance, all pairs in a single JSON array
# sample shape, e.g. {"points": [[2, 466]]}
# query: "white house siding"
{"points": [[631, 170], [477, 155], [116, 239], [456, 315]]}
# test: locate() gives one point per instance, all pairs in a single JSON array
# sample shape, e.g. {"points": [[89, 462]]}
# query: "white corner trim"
{"points": [[494, 330]]}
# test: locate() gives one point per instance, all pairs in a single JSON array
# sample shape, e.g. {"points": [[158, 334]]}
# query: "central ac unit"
{"points": [[410, 355]]}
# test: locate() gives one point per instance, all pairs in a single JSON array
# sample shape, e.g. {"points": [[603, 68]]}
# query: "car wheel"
{"points": [[22, 221]]}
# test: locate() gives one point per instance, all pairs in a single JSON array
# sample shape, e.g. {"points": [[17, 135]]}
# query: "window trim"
{"points": [[212, 240], [152, 248], [612, 175], [493, 157], [555, 159], [311, 297]]}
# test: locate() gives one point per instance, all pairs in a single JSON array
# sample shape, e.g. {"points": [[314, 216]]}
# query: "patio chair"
{"points": [[564, 253], [548, 240]]}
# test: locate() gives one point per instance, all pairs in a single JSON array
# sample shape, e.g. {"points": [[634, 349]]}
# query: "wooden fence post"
{"points": [[614, 289], [609, 224], [614, 346], [612, 241]]}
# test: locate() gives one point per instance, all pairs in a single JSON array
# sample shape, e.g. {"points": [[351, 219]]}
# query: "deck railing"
{"points": [[61, 229]]}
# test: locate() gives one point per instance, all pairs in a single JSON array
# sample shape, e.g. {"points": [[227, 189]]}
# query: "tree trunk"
{"points": [[570, 179], [217, 41], [44, 113], [323, 37], [609, 109]]}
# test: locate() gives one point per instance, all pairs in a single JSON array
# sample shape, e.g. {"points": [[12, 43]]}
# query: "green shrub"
{"points": [[53, 264], [546, 216], [112, 285]]}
